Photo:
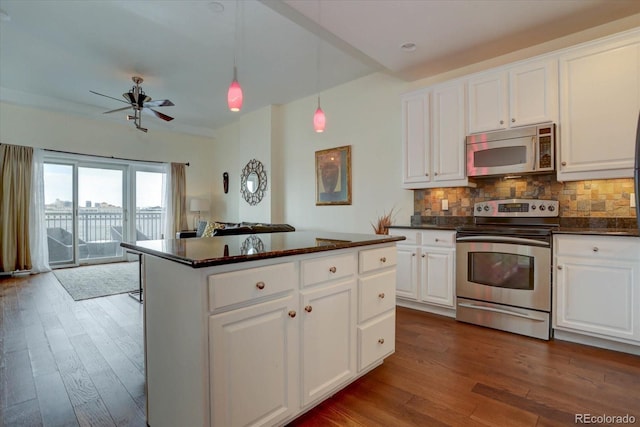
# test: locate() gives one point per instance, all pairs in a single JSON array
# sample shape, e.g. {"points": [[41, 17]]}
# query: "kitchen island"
{"points": [[257, 329]]}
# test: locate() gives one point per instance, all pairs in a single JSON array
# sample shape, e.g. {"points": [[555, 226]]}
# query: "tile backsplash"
{"points": [[595, 198]]}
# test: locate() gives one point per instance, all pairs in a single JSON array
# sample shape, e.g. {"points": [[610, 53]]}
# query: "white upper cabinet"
{"points": [[416, 138], [433, 143], [600, 100], [514, 96]]}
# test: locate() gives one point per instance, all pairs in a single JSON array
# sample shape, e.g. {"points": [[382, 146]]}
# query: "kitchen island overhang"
{"points": [[259, 329]]}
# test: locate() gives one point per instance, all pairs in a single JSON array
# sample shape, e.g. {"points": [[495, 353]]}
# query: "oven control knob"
{"points": [[479, 208], [542, 207], [486, 208], [551, 208], [533, 207]]}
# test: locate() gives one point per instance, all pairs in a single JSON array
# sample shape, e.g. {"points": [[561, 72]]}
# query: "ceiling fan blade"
{"points": [[159, 114], [107, 96], [159, 103], [118, 109]]}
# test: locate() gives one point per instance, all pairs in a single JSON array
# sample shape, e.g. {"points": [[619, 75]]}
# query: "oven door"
{"points": [[504, 270]]}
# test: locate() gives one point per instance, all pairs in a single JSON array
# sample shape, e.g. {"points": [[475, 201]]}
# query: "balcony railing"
{"points": [[99, 232]]}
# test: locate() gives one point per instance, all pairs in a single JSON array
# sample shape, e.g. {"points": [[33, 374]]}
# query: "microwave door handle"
{"points": [[535, 155]]}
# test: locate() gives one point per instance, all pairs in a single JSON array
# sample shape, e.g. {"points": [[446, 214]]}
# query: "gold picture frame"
{"points": [[333, 176]]}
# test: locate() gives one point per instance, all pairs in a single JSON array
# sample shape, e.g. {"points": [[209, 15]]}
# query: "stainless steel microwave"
{"points": [[525, 150]]}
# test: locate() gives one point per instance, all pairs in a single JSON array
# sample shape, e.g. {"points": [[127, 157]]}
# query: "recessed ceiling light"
{"points": [[216, 7], [4, 16], [408, 47]]}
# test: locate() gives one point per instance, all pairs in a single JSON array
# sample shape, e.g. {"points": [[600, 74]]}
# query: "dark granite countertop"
{"points": [[219, 250], [631, 232]]}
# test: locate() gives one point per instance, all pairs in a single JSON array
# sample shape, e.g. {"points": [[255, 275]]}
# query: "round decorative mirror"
{"points": [[253, 182]]}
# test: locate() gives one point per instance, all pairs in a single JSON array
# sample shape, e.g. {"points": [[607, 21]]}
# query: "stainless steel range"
{"points": [[503, 266]]}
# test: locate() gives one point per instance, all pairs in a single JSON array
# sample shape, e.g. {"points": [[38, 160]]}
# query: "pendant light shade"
{"points": [[234, 95], [319, 120]]}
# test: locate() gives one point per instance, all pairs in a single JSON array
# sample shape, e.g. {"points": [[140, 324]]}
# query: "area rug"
{"points": [[93, 281]]}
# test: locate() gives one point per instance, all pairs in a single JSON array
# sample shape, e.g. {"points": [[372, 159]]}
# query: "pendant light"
{"points": [[234, 95], [319, 119]]}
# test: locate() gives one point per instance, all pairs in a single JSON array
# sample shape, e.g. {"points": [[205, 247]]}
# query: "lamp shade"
{"points": [[319, 120], [234, 96], [199, 205]]}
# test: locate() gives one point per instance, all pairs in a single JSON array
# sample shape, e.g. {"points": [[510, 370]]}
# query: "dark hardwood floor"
{"points": [[81, 363]]}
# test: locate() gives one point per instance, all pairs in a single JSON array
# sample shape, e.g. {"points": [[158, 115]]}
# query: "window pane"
{"points": [[58, 199]]}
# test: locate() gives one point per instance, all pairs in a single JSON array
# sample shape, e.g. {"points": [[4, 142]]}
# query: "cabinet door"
{"points": [[449, 153], [407, 272], [533, 93], [437, 280], [328, 317], [488, 102], [254, 363], [600, 100], [597, 297], [416, 140]]}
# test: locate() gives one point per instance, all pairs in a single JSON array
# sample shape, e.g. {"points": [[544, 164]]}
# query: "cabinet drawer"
{"points": [[245, 285], [598, 246], [375, 259], [376, 340], [442, 239], [376, 294], [323, 269], [412, 236]]}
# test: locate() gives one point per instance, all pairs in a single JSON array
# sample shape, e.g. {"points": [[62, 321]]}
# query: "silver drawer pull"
{"points": [[381, 295], [381, 341], [595, 249], [292, 314], [260, 285], [383, 259], [333, 269], [308, 309], [559, 267], [437, 240]]}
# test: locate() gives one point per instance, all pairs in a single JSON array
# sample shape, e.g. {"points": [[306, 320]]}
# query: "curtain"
{"points": [[15, 200], [37, 225], [167, 203], [179, 198]]}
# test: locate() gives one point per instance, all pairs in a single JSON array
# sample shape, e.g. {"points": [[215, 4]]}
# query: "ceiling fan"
{"points": [[139, 101]]}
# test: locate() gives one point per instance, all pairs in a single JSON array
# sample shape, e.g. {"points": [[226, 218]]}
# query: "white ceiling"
{"points": [[53, 52]]}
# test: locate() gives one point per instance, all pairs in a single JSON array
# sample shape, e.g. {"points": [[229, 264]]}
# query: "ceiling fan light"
{"points": [[234, 96]]}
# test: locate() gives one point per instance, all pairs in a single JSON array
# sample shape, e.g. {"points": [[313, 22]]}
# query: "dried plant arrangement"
{"points": [[384, 221]]}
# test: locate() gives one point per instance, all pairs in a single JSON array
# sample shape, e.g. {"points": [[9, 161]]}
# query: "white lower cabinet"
{"points": [[597, 286], [258, 343], [255, 377], [328, 319], [426, 270]]}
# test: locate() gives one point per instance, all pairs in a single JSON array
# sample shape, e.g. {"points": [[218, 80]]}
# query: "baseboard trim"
{"points": [[596, 342], [442, 311]]}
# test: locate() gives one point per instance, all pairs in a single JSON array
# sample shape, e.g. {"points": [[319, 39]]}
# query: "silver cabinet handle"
{"points": [[381, 340], [501, 122], [383, 259], [595, 249], [308, 309], [559, 267], [292, 314], [260, 285], [564, 163], [333, 269], [513, 120], [381, 295]]}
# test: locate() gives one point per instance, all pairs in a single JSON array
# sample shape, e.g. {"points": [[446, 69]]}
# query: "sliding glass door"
{"points": [[93, 206]]}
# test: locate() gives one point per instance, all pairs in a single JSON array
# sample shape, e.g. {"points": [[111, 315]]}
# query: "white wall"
{"points": [[45, 129], [364, 114]]}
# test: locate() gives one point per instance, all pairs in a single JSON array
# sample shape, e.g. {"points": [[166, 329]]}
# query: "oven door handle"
{"points": [[502, 239], [500, 310]]}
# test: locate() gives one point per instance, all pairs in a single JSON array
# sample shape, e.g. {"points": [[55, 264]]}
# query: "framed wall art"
{"points": [[333, 176]]}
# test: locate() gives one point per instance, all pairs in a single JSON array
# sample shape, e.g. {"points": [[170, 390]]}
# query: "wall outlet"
{"points": [[632, 200], [445, 205]]}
